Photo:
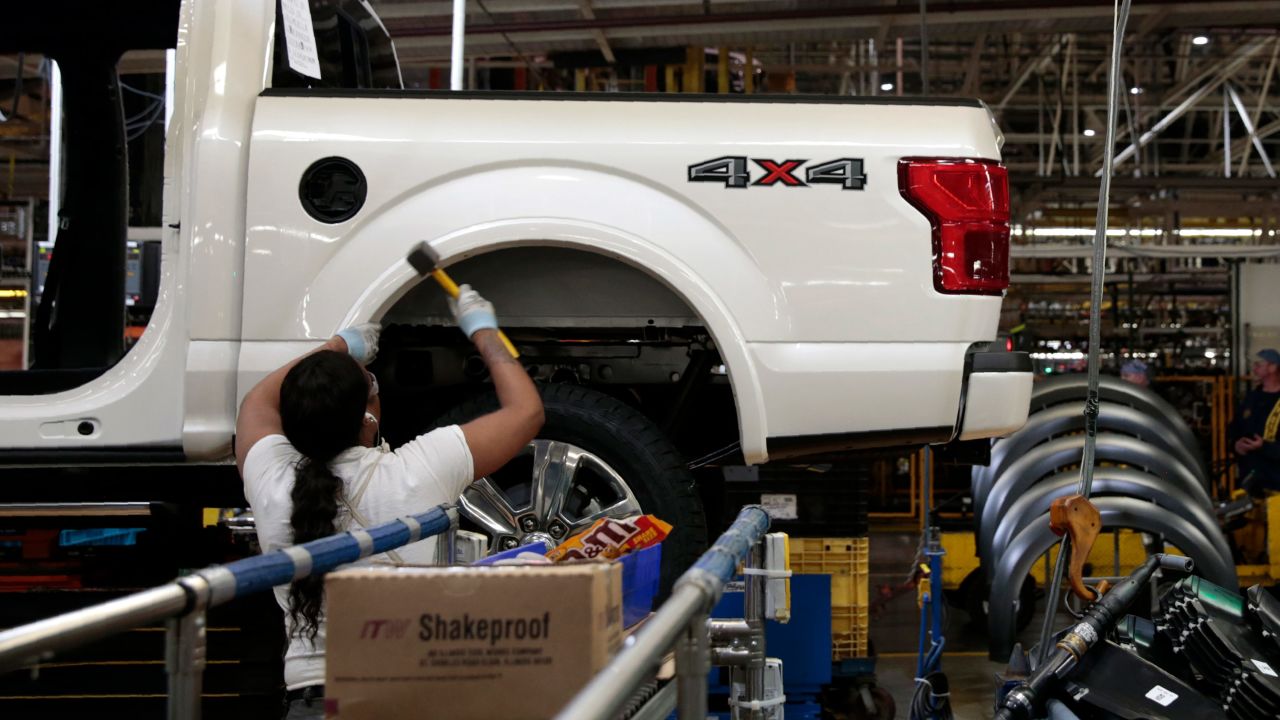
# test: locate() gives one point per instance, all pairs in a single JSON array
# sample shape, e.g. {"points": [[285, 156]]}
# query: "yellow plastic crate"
{"points": [[849, 627], [846, 560]]}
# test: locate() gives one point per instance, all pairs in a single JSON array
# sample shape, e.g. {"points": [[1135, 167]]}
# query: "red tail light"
{"points": [[967, 202]]}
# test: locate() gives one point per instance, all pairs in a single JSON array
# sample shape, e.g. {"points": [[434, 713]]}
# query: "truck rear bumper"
{"points": [[997, 394], [822, 398]]}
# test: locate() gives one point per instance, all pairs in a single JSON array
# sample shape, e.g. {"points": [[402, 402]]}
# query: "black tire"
{"points": [[636, 450]]}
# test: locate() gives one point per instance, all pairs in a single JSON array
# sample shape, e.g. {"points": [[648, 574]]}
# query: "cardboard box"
{"points": [[471, 642]]}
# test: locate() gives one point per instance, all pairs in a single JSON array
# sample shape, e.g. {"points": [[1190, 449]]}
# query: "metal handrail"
{"points": [[681, 620], [184, 601]]}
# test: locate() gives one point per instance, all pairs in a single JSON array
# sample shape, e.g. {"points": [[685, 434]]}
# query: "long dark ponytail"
{"points": [[322, 405]]}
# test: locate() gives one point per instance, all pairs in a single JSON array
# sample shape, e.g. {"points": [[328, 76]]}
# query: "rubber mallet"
{"points": [[425, 260]]}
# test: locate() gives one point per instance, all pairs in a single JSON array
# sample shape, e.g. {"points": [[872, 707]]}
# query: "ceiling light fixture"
{"points": [[1090, 132], [1200, 40], [886, 86]]}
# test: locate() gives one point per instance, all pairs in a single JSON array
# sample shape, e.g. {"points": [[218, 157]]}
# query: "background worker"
{"points": [[309, 452], [1255, 427], [1136, 372]]}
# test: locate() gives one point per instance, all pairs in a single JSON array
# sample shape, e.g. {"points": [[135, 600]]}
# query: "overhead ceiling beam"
{"points": [[977, 15], [1117, 249], [393, 9], [601, 41], [1225, 70], [1046, 279], [1148, 24], [973, 73], [1219, 70], [1032, 66], [1262, 99], [1032, 138], [1250, 130]]}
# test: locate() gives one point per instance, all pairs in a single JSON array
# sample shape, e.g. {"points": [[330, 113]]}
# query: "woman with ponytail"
{"points": [[309, 451]]}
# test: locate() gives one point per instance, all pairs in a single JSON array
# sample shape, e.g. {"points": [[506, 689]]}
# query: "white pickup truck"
{"points": [[775, 276]]}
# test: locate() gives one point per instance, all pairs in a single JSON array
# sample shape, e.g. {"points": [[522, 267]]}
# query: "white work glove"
{"points": [[472, 312], [362, 341]]}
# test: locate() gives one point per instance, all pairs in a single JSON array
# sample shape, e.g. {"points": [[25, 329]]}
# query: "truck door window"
{"points": [[353, 47], [76, 297]]}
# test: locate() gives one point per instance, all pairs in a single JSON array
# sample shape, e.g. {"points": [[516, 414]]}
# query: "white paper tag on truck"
{"points": [[1162, 696], [300, 37], [780, 506]]}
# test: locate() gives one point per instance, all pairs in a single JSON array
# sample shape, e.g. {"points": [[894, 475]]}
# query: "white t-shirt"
{"points": [[434, 468]]}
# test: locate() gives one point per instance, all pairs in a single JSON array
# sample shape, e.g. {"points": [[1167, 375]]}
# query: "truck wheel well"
{"points": [[579, 318], [553, 287]]}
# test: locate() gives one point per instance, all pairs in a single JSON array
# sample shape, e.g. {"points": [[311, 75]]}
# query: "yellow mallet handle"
{"points": [[446, 282], [451, 288]]}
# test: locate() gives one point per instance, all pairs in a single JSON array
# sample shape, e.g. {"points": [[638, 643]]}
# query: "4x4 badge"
{"points": [[732, 172]]}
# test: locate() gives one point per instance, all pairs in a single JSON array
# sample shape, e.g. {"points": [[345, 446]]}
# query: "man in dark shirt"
{"points": [[1255, 426]]}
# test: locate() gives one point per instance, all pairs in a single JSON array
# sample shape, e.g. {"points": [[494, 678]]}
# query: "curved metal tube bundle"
{"points": [[1117, 512]]}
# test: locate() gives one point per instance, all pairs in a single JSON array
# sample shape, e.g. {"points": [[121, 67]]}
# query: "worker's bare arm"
{"points": [[497, 437], [260, 411]]}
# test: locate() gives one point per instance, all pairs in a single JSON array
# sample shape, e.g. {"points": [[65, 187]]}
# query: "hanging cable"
{"points": [[143, 93], [1121, 20], [715, 455], [931, 699]]}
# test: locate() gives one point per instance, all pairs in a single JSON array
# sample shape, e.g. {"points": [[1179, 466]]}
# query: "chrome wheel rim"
{"points": [[552, 488]]}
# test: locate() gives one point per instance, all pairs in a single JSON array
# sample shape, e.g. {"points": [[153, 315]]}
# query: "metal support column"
{"points": [[1226, 134], [1040, 164], [694, 61], [693, 662], [722, 70], [924, 48], [447, 542], [897, 86], [1075, 106], [753, 606], [459, 38], [184, 652], [873, 59]]}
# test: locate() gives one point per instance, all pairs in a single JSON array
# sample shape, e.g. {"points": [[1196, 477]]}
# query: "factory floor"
{"points": [[895, 632]]}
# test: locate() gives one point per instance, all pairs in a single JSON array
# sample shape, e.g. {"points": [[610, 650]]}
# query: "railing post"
{"points": [[693, 662], [752, 670], [185, 652], [753, 606], [446, 542]]}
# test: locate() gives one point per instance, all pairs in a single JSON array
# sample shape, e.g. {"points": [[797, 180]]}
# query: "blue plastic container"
{"points": [[641, 571], [535, 547], [804, 644], [99, 536]]}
